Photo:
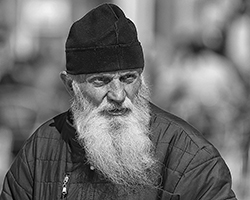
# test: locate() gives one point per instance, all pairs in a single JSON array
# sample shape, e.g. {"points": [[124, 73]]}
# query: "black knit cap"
{"points": [[103, 40]]}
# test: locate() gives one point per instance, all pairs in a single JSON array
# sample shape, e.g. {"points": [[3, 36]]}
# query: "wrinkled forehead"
{"points": [[114, 73], [81, 78]]}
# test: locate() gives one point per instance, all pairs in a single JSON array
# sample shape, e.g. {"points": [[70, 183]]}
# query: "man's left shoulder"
{"points": [[182, 148], [171, 133]]}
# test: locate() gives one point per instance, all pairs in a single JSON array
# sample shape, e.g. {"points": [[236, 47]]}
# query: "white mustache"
{"points": [[107, 107]]}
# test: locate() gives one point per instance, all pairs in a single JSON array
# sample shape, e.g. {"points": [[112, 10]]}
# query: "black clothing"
{"points": [[192, 167]]}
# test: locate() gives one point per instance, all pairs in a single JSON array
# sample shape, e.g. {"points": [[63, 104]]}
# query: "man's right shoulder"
{"points": [[47, 136], [46, 141], [52, 128]]}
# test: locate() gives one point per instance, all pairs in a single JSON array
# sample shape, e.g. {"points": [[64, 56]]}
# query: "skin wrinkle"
{"points": [[97, 94]]}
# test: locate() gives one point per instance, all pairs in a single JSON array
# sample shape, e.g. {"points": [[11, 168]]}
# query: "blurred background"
{"points": [[197, 66]]}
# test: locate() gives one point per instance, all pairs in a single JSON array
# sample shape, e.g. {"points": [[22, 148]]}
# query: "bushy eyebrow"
{"points": [[98, 76]]}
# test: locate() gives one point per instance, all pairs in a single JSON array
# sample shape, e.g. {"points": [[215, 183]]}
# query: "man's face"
{"points": [[115, 86], [111, 115]]}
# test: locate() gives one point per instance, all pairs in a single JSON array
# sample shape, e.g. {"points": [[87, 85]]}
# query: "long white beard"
{"points": [[117, 146]]}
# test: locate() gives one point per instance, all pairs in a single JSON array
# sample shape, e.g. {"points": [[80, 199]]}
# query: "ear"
{"points": [[67, 81]]}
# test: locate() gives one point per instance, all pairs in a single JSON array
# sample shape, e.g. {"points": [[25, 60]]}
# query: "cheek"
{"points": [[132, 90], [94, 95]]}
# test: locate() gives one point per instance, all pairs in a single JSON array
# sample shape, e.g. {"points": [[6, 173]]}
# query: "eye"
{"points": [[128, 78], [100, 81]]}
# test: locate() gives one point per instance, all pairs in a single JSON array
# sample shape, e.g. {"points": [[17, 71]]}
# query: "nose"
{"points": [[116, 92]]}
